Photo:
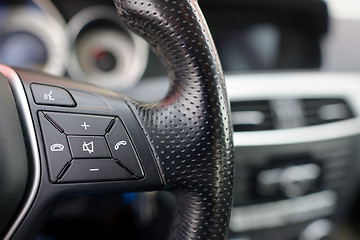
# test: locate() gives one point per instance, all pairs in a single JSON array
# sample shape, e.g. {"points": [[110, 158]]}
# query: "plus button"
{"points": [[85, 125]]}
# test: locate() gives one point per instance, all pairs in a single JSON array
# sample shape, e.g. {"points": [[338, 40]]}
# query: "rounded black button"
{"points": [[88, 170], [51, 95], [81, 124], [88, 147], [122, 148], [57, 148]]}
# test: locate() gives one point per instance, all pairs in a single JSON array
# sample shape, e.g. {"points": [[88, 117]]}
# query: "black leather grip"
{"points": [[190, 130]]}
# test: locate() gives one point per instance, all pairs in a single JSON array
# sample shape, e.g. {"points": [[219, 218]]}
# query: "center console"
{"points": [[296, 152]]}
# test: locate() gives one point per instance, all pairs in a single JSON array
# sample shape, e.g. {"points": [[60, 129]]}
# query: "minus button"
{"points": [[94, 170]]}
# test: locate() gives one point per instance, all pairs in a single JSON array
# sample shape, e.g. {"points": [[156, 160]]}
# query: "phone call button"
{"points": [[122, 149], [56, 146]]}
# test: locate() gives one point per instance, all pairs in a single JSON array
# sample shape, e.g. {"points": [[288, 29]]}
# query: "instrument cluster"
{"points": [[92, 46]]}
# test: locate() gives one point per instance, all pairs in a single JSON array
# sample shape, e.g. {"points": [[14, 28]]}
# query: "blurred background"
{"points": [[293, 76]]}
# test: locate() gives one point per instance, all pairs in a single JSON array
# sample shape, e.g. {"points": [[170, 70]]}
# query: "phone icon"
{"points": [[120, 143], [57, 147]]}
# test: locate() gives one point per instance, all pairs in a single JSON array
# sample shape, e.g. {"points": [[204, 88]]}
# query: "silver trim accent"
{"points": [[25, 115], [298, 135], [320, 229], [50, 9], [284, 212], [290, 85], [47, 28], [346, 9], [296, 85]]}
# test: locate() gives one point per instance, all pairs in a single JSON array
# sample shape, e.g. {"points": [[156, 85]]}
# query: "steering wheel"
{"points": [[60, 138]]}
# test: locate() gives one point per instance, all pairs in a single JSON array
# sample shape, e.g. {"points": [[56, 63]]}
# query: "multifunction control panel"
{"points": [[89, 136], [84, 148]]}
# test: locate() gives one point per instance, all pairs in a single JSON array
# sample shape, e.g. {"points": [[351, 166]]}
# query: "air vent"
{"points": [[325, 110], [252, 115], [260, 115]]}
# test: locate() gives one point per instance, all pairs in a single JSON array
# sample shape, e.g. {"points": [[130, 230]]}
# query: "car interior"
{"points": [[292, 76]]}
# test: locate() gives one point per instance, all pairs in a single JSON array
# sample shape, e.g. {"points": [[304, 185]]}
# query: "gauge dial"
{"points": [[32, 38], [105, 53]]}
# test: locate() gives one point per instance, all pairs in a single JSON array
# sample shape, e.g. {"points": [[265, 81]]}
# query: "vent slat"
{"points": [[325, 110], [252, 116]]}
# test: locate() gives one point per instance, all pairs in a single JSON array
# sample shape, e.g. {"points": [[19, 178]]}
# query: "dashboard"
{"points": [[88, 42], [292, 78]]}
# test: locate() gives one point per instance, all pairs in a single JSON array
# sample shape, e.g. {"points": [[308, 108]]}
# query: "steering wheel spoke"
{"points": [[87, 141]]}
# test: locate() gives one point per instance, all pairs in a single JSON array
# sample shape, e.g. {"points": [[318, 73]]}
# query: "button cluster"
{"points": [[85, 148]]}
